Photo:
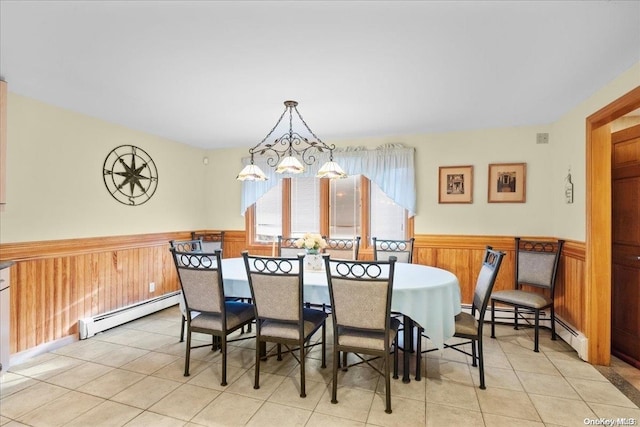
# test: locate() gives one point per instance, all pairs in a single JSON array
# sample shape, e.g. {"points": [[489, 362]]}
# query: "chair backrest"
{"points": [[287, 247], [360, 292], [486, 279], [343, 248], [385, 248], [536, 263], [200, 277], [211, 241], [194, 245], [276, 286]]}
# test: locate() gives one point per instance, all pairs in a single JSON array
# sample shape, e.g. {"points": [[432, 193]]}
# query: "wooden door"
{"points": [[625, 304]]}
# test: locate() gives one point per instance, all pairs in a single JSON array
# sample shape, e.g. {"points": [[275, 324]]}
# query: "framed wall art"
{"points": [[455, 184], [507, 182]]}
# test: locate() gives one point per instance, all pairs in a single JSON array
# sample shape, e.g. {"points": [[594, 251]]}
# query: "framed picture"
{"points": [[507, 182], [455, 184]]}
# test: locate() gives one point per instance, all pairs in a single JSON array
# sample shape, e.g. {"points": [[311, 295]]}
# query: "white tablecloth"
{"points": [[429, 295]]}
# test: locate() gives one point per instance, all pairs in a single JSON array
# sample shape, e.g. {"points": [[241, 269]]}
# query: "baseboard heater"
{"points": [[90, 326], [564, 330]]}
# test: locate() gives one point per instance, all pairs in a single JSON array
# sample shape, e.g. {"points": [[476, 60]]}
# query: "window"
{"points": [[333, 208], [377, 199], [305, 206], [344, 207], [388, 220], [268, 215]]}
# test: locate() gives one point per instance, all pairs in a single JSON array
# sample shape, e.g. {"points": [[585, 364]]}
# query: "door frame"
{"points": [[598, 261]]}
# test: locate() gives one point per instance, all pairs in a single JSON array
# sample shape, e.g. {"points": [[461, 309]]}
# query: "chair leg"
{"points": [[256, 381], [336, 362], [387, 382], [481, 363], [493, 319], [279, 352], [188, 353], [536, 329], [345, 366], [553, 324], [395, 359], [474, 352], [515, 318], [303, 391], [223, 347], [324, 346], [184, 322]]}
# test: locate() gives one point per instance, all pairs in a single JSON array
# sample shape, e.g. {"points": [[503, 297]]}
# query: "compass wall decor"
{"points": [[130, 175]]}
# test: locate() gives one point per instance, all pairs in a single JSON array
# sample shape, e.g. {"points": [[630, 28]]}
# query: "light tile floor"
{"points": [[133, 376]]}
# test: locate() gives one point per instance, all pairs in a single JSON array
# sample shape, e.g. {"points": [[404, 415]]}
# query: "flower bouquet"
{"points": [[312, 244]]}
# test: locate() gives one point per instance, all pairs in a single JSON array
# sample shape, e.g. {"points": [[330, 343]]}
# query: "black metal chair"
{"points": [[469, 326], [287, 247], [343, 248], [360, 293], [194, 245], [202, 285], [536, 265], [401, 249], [211, 241], [277, 289]]}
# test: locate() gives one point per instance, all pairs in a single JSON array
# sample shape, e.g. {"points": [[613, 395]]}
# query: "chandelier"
{"points": [[284, 151]]}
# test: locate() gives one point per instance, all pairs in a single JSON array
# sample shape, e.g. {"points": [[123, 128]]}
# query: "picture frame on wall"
{"points": [[455, 184], [507, 182]]}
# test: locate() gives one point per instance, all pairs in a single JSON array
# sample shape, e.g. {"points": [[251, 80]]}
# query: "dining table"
{"points": [[427, 296]]}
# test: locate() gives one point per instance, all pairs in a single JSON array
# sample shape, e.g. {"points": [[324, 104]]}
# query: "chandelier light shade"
{"points": [[251, 173], [289, 152]]}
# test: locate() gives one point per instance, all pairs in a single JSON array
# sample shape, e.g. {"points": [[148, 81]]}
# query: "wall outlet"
{"points": [[152, 287]]}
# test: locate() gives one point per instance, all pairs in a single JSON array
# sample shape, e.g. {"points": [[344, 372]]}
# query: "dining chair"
{"points": [[469, 326], [193, 245], [276, 285], [401, 249], [287, 247], [360, 293], [536, 266], [200, 275], [343, 248], [210, 240]]}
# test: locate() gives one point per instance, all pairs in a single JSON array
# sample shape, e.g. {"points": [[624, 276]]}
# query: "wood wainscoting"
{"points": [[54, 284]]}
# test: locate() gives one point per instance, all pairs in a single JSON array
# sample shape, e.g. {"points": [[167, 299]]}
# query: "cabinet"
{"points": [[5, 315], [3, 142]]}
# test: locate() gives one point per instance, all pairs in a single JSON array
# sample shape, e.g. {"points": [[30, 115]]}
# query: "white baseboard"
{"points": [[90, 326]]}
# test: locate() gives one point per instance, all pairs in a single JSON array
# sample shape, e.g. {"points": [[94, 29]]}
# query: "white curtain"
{"points": [[390, 166]]}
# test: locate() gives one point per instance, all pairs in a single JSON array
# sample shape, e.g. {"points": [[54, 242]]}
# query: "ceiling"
{"points": [[215, 74]]}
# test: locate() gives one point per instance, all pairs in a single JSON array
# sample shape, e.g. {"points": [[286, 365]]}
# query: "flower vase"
{"points": [[313, 260]]}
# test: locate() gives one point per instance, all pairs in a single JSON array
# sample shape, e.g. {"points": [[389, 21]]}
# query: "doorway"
{"points": [[625, 284], [598, 263]]}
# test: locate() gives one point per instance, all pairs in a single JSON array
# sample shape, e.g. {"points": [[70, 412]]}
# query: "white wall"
{"points": [[569, 220], [477, 148], [55, 188], [545, 212]]}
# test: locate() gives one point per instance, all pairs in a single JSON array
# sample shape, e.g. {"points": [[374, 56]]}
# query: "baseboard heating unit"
{"points": [[90, 326]]}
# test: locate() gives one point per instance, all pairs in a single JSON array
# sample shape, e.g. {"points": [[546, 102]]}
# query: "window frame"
{"points": [[365, 241]]}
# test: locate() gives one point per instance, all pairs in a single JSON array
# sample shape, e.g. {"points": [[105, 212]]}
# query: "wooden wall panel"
{"points": [[54, 284]]}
